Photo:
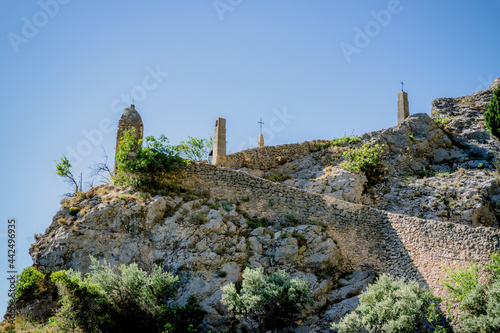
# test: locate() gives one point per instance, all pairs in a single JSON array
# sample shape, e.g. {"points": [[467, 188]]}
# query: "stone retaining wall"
{"points": [[268, 157], [402, 245]]}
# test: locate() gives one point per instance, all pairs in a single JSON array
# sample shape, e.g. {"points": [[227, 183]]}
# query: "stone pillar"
{"points": [[403, 109], [261, 140], [219, 140]]}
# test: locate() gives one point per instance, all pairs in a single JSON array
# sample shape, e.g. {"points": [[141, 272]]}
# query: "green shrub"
{"points": [[366, 159], [221, 274], [255, 222], [272, 300], [198, 218], [492, 116], [440, 120], [290, 220], [183, 319], [245, 198], [28, 282], [478, 302], [74, 210], [279, 177], [145, 166], [346, 140], [124, 299], [391, 305]]}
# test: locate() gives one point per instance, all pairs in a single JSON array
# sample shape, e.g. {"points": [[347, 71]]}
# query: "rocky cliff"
{"points": [[438, 203]]}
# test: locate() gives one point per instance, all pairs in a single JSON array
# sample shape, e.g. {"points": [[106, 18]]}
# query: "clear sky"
{"points": [[311, 69]]}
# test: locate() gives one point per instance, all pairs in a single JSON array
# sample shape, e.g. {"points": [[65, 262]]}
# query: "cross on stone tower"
{"points": [[260, 143], [402, 84]]}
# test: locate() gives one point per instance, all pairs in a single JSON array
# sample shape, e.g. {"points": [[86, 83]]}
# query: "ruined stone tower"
{"points": [[219, 140], [130, 119], [403, 109]]}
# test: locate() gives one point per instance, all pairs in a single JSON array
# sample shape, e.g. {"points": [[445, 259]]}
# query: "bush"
{"points": [[74, 210], [125, 299], [492, 116], [145, 167], [391, 305], [28, 282], [279, 177], [366, 159], [478, 303], [184, 319], [346, 140], [273, 301]]}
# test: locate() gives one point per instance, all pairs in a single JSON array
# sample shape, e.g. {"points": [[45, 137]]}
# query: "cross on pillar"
{"points": [[260, 123], [402, 84]]}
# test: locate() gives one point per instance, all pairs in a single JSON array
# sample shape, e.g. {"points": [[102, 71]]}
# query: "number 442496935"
{"points": [[11, 253]]}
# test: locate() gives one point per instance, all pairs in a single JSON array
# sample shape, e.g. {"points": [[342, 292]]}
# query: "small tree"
{"points": [[492, 116], [101, 171], [195, 149], [273, 301], [63, 169], [391, 306]]}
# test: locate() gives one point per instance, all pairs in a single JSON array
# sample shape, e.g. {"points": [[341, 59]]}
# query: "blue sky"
{"points": [[311, 69]]}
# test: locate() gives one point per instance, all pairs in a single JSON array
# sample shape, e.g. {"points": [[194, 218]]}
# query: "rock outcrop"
{"points": [[438, 203]]}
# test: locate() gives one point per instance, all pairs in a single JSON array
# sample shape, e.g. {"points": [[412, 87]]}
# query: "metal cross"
{"points": [[402, 84], [261, 123]]}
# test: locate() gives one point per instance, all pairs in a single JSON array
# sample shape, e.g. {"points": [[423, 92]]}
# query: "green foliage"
{"points": [[63, 169], [478, 302], [245, 198], [221, 274], [390, 305], [492, 116], [145, 166], [271, 300], [461, 282], [440, 120], [124, 299], [195, 149], [184, 319], [346, 140], [74, 210], [28, 282], [290, 220], [366, 159], [279, 177], [256, 222]]}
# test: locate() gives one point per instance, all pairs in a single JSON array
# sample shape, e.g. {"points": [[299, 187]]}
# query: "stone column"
{"points": [[219, 140], [261, 141], [403, 109]]}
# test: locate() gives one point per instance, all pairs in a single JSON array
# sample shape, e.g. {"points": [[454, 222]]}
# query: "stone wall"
{"points": [[265, 158], [402, 245]]}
